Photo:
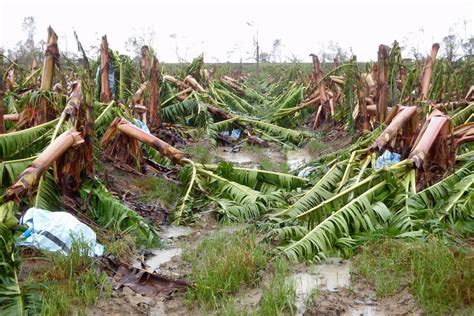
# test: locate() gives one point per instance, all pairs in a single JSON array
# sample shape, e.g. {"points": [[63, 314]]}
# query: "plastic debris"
{"points": [[305, 172], [234, 134], [56, 231], [387, 159], [142, 126]]}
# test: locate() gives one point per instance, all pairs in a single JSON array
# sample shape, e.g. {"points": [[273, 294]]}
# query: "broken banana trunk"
{"points": [[431, 144], [404, 123], [30, 177], [51, 58], [105, 92], [427, 71], [382, 83], [77, 161], [120, 146], [154, 106], [318, 78]]}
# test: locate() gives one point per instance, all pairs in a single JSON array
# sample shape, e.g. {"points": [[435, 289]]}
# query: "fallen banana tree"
{"points": [[345, 194], [246, 193]]}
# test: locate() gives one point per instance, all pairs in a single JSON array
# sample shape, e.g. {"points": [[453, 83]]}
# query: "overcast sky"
{"points": [[221, 29]]}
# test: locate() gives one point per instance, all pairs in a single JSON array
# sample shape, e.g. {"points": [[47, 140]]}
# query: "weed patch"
{"points": [[158, 188], [441, 279], [70, 283], [200, 152], [222, 264], [280, 295]]}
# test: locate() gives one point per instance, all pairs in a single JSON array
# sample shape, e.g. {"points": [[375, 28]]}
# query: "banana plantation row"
{"points": [[59, 121]]}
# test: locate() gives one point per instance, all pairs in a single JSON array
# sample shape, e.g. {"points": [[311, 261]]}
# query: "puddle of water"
{"points": [[297, 158], [248, 159], [241, 158], [331, 275], [334, 274], [161, 256], [170, 232], [304, 284]]}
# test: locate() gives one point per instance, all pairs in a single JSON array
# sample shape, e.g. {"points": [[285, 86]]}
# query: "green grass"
{"points": [[158, 188], [440, 278], [267, 164], [279, 296], [68, 284], [200, 152], [222, 264], [254, 149], [121, 247], [314, 146]]}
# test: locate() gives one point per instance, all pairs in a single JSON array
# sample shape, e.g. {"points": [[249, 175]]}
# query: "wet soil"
{"points": [[332, 288], [123, 185]]}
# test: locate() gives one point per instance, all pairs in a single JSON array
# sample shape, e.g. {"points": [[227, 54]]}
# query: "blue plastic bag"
{"points": [[387, 159]]}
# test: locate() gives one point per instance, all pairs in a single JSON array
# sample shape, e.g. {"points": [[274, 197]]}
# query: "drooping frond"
{"points": [[177, 112], [25, 142], [291, 98], [15, 298], [460, 204], [254, 178], [47, 194], [112, 214], [284, 134], [11, 169], [361, 214], [233, 102], [439, 191], [179, 211], [236, 191], [231, 211], [106, 116], [321, 191], [462, 115]]}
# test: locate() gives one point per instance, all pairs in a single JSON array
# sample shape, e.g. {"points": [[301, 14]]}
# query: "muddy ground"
{"points": [[330, 288]]}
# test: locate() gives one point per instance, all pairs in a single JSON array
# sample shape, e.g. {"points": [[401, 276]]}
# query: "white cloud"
{"points": [[219, 27]]}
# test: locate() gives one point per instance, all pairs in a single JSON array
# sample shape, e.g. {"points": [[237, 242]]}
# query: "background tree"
{"points": [[25, 51], [276, 50]]}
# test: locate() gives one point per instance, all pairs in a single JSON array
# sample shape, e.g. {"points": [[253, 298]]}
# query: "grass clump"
{"points": [[222, 264], [251, 148], [70, 283], [158, 188], [314, 146], [200, 152], [280, 295], [441, 279], [121, 247], [267, 164]]}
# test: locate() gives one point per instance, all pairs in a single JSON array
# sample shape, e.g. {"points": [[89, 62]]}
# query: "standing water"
{"points": [[297, 158], [330, 275]]}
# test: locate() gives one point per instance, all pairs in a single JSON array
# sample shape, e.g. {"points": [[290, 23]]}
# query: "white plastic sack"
{"points": [[56, 231], [305, 172]]}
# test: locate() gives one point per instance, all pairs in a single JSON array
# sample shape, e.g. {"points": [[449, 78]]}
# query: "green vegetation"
{"points": [[200, 152], [345, 199], [280, 294], [124, 248], [224, 263], [441, 278], [69, 284], [314, 146], [156, 188]]}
